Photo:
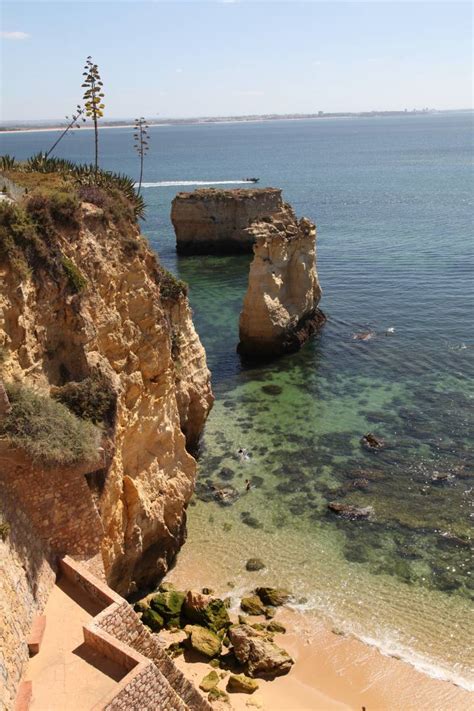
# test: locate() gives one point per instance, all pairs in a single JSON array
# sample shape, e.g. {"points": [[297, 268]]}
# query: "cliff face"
{"points": [[213, 221], [280, 306], [98, 308]]}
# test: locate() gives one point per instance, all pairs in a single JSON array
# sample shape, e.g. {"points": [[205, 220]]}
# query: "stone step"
{"points": [[36, 634]]}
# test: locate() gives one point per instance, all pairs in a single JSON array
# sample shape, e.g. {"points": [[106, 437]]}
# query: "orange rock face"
{"points": [[280, 309], [213, 221]]}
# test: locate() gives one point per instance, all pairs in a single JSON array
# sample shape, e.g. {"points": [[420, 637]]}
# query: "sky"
{"points": [[235, 57]]}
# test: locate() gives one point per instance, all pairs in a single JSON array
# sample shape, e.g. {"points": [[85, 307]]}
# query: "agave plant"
{"points": [[7, 162]]}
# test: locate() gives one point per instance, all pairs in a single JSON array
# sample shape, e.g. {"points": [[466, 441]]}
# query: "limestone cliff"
{"points": [[86, 308], [211, 221], [280, 309]]}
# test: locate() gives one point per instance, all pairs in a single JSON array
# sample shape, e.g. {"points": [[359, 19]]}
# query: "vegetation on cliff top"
{"points": [[90, 399], [54, 190], [47, 430], [39, 171], [171, 287]]}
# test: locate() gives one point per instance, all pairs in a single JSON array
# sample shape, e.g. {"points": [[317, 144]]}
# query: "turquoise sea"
{"points": [[393, 202]]}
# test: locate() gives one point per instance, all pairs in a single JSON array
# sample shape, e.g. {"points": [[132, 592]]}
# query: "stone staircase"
{"points": [[153, 681]]}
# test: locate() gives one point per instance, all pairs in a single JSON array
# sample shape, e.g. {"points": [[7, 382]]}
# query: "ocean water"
{"points": [[392, 200]]}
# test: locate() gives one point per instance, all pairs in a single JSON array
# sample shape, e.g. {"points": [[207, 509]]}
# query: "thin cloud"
{"points": [[15, 35], [249, 92]]}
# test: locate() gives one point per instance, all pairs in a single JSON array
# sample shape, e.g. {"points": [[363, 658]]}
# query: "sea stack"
{"points": [[210, 221], [280, 309]]}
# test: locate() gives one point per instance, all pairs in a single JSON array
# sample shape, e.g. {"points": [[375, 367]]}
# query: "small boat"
{"points": [[251, 180]]}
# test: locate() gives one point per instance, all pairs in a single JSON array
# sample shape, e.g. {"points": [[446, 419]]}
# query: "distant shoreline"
{"points": [[233, 119]]}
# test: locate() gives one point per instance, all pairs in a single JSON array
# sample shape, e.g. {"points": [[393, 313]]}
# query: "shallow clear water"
{"points": [[392, 198]]}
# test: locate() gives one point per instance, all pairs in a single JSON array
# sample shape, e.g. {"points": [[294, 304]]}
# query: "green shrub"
{"points": [[91, 399], [20, 242], [170, 287], [47, 430], [76, 279], [53, 207]]}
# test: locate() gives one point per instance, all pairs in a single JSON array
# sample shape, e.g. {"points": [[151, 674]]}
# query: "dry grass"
{"points": [[47, 430]]}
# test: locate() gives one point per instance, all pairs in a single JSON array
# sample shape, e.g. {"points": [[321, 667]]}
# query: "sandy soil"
{"points": [[335, 673]]}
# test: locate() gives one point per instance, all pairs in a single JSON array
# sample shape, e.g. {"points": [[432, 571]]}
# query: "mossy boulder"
{"points": [[241, 684], [273, 596], [168, 605], [166, 587], [209, 681], [276, 627], [252, 605], [207, 611], [216, 694], [141, 605], [153, 620], [204, 641]]}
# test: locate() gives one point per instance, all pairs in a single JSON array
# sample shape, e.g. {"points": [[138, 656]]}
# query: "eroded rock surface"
{"points": [[260, 656], [114, 312], [211, 221], [280, 309]]}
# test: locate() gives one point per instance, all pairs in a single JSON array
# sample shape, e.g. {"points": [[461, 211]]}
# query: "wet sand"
{"points": [[335, 672]]}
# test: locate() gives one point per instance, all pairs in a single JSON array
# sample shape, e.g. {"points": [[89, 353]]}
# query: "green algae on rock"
{"points": [[252, 605], [206, 610], [209, 681], [241, 684], [153, 620], [203, 641], [273, 596], [168, 605]]}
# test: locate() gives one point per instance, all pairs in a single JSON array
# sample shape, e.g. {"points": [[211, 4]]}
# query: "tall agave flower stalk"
{"points": [[93, 96], [141, 145]]}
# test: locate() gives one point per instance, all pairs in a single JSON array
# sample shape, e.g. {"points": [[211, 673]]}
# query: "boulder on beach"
{"points": [[153, 620], [276, 627], [257, 653], [209, 681], [273, 596], [252, 605], [203, 641], [241, 684], [168, 605], [216, 694], [206, 610]]}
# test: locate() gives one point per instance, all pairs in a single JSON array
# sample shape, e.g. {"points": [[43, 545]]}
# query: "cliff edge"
{"points": [[280, 309], [91, 320], [210, 221]]}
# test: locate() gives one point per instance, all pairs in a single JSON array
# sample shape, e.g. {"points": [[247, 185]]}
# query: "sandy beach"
{"points": [[333, 672]]}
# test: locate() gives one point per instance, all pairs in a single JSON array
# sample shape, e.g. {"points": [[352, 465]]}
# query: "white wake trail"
{"points": [[173, 183]]}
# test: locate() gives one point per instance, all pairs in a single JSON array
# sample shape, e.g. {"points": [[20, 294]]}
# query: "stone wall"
{"points": [[57, 501], [27, 576], [210, 221], [117, 630], [144, 688]]}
